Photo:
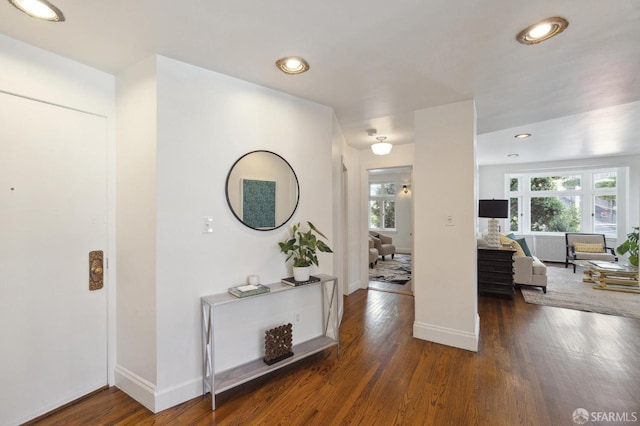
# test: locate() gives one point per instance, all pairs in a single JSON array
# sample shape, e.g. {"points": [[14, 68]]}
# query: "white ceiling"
{"points": [[376, 61]]}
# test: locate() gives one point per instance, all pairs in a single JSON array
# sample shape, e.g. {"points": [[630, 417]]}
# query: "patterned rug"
{"points": [[566, 290], [396, 271]]}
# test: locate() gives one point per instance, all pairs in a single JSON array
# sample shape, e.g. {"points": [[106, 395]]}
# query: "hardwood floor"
{"points": [[535, 366], [391, 288]]}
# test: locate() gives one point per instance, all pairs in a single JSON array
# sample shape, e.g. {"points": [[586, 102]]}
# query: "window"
{"points": [[605, 213], [514, 205], [564, 202], [555, 214], [382, 205]]}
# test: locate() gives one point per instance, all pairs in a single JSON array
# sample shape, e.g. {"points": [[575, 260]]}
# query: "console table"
{"points": [[216, 383], [495, 271]]}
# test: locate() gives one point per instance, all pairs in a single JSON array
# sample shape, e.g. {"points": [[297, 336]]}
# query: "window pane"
{"points": [[605, 215], [555, 214], [382, 189], [514, 217], [555, 183], [374, 214], [513, 184], [389, 214], [375, 189], [604, 180]]}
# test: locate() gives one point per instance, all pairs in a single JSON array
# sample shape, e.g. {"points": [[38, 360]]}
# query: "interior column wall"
{"points": [[136, 370], [444, 270]]}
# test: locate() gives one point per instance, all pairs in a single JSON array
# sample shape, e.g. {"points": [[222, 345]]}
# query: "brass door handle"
{"points": [[96, 279]]}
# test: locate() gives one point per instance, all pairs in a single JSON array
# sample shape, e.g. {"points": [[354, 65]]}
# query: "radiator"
{"points": [[550, 248]]}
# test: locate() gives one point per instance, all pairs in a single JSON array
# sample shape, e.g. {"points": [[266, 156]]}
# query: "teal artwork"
{"points": [[259, 203]]}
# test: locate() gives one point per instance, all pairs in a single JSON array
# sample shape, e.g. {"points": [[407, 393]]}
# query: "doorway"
{"points": [[390, 224], [53, 193]]}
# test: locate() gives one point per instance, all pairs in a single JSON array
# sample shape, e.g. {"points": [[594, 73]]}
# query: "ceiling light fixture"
{"points": [[542, 30], [522, 135], [382, 147], [292, 65], [40, 9]]}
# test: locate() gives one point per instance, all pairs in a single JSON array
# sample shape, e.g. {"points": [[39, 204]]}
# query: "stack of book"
{"points": [[292, 282], [249, 290]]}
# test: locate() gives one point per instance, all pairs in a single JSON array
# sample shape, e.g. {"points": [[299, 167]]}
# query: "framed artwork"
{"points": [[259, 203]]}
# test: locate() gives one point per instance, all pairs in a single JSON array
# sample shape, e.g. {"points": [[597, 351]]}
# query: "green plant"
{"points": [[302, 246], [630, 246]]}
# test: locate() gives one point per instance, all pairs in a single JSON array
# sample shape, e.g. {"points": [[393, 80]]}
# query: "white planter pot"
{"points": [[301, 273]]}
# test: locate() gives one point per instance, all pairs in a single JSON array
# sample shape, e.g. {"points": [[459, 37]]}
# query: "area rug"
{"points": [[396, 271], [566, 290]]}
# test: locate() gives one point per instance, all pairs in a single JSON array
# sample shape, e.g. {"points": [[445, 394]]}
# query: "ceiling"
{"points": [[376, 61]]}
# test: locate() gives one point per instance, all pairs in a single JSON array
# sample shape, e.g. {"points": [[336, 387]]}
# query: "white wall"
{"points": [[340, 165], [445, 259], [205, 121], [354, 254], [136, 230]]}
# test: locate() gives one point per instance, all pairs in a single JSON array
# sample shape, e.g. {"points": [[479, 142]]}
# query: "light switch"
{"points": [[207, 224], [449, 221]]}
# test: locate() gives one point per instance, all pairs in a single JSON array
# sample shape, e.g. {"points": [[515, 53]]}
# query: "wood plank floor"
{"points": [[391, 288], [535, 366]]}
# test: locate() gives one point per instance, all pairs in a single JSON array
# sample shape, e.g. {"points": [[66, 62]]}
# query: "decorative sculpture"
{"points": [[277, 344]]}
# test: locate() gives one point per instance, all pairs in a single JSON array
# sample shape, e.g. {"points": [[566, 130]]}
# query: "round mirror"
{"points": [[262, 190]]}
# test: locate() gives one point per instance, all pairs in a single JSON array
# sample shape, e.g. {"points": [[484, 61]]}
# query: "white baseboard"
{"points": [[448, 336], [136, 387], [178, 394], [353, 286], [147, 394]]}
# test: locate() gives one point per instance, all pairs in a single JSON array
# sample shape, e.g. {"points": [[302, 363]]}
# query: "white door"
{"points": [[53, 212]]}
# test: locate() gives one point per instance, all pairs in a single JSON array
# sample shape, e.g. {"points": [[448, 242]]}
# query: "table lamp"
{"points": [[493, 209]]}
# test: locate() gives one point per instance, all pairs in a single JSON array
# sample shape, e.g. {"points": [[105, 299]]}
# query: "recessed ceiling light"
{"points": [[542, 30], [292, 65], [40, 9], [513, 155], [522, 135]]}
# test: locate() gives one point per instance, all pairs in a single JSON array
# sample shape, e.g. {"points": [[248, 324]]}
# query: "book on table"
{"points": [[249, 290], [605, 265], [292, 282]]}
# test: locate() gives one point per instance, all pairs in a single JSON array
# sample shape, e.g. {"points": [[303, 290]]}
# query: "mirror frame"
{"points": [[293, 210]]}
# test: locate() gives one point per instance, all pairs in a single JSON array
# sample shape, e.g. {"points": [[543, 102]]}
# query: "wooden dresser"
{"points": [[495, 271]]}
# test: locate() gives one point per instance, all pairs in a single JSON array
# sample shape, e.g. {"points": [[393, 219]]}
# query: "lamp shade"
{"points": [[493, 209], [381, 148]]}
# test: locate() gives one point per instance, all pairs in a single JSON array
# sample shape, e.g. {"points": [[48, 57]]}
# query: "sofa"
{"points": [[382, 243], [528, 270]]}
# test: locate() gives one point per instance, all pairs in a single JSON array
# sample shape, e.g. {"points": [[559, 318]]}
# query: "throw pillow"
{"points": [[589, 247], [514, 244], [524, 245]]}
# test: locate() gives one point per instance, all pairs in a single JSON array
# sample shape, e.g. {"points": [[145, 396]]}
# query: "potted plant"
{"points": [[302, 247], [630, 246]]}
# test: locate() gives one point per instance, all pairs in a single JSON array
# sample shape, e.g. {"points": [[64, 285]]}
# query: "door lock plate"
{"points": [[96, 270]]}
